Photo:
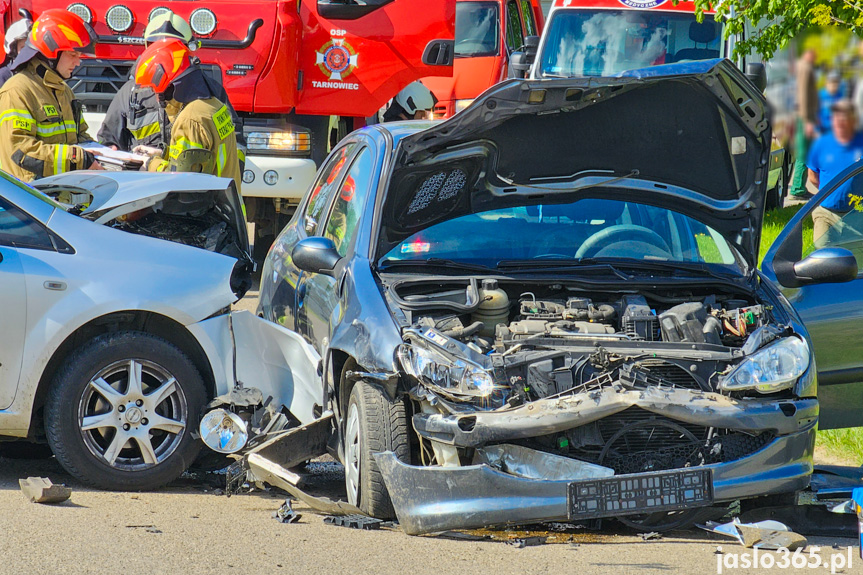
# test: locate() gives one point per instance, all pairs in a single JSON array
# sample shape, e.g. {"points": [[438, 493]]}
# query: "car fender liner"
{"points": [[555, 415]]}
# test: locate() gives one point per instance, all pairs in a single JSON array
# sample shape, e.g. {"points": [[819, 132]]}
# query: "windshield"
{"points": [[607, 42], [477, 29], [587, 228]]}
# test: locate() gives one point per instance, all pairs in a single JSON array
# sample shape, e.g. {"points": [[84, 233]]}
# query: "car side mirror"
{"points": [[316, 255], [827, 265], [757, 74], [522, 59]]}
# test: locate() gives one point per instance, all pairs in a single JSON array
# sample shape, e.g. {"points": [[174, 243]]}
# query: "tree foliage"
{"points": [[777, 21]]}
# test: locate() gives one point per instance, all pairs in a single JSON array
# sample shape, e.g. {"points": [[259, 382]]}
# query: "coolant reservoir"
{"points": [[493, 307]]}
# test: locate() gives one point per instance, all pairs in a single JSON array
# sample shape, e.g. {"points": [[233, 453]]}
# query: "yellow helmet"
{"points": [[168, 25]]}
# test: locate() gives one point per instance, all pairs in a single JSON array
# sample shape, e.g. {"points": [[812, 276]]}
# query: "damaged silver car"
{"points": [[116, 291], [548, 308]]}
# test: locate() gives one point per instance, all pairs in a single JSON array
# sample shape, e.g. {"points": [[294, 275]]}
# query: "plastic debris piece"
{"points": [[354, 521], [286, 513], [41, 490], [845, 508], [652, 536], [767, 535], [527, 542]]}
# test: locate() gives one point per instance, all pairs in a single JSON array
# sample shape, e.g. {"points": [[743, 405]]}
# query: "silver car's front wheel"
{"points": [[121, 412], [132, 414]]}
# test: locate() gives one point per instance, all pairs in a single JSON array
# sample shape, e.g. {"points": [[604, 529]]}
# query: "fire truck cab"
{"points": [[486, 33], [293, 70]]}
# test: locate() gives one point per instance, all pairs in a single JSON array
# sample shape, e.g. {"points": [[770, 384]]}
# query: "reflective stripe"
{"points": [[146, 131], [55, 128], [221, 163], [22, 120], [241, 154], [60, 158], [181, 145]]}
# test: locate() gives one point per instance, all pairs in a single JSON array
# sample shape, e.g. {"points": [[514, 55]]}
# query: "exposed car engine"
{"points": [[554, 345]]}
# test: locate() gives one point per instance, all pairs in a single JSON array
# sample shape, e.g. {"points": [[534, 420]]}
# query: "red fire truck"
{"points": [[298, 72]]}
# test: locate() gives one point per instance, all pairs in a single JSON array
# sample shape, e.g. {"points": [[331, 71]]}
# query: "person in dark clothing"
{"points": [[135, 117], [15, 38]]}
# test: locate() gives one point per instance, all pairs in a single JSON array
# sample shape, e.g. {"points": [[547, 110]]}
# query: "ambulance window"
{"points": [[527, 16], [342, 224], [19, 230], [319, 197], [514, 36]]}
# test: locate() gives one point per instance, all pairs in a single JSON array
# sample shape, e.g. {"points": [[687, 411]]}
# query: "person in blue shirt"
{"points": [[832, 92], [831, 154]]}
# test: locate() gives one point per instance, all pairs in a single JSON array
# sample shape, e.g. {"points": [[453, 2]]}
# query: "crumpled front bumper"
{"points": [[431, 499]]}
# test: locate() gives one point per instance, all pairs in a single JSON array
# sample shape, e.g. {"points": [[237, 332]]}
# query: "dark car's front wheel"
{"points": [[374, 424], [122, 409]]}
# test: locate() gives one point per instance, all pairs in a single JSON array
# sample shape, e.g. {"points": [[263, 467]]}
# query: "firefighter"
{"points": [[15, 38], [135, 118], [414, 102], [203, 135], [41, 122]]}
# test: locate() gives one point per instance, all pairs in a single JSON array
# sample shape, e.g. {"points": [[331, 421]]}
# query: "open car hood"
{"points": [[692, 137], [125, 199]]}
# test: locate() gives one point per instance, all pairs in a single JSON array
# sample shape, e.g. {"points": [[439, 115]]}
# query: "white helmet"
{"points": [[415, 97], [17, 31]]}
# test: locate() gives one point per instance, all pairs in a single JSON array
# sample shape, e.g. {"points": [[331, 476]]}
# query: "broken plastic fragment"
{"points": [[286, 513], [41, 490]]}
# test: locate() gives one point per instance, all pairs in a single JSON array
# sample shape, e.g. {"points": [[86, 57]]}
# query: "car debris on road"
{"points": [[41, 490]]}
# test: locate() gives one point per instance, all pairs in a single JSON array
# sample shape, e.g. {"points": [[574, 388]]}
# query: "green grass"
{"points": [[843, 446], [775, 221]]}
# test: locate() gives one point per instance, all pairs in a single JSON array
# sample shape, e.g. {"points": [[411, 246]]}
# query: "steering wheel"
{"points": [[618, 234]]}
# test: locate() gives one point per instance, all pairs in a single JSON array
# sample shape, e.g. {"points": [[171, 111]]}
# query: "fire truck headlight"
{"points": [[282, 142], [81, 10], [119, 18], [203, 22]]}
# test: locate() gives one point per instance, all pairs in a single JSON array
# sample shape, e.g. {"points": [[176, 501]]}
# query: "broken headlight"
{"points": [[453, 375], [773, 368]]}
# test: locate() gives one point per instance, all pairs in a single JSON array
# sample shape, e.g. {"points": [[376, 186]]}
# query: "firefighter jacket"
{"points": [[203, 125], [133, 119], [40, 124]]}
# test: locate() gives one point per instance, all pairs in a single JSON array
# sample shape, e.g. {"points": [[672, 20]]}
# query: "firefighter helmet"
{"points": [[57, 30], [17, 31], [168, 25], [415, 97], [161, 63]]}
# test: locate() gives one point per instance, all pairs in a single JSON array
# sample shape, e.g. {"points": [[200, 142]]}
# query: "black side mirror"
{"points": [[316, 255], [757, 74], [827, 265], [522, 59]]}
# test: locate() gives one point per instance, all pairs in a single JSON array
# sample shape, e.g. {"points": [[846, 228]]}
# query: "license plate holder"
{"points": [[640, 493]]}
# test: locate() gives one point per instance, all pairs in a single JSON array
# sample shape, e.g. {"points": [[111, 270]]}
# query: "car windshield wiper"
{"points": [[561, 264], [436, 263]]}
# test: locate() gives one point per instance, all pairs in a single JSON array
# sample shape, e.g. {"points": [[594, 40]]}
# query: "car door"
{"points": [[832, 312], [320, 308], [21, 237]]}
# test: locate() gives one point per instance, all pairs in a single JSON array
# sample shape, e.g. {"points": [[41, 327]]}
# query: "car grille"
{"points": [[637, 441]]}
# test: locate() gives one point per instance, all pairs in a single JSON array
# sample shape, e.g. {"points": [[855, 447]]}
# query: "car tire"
{"points": [[93, 404], [374, 424]]}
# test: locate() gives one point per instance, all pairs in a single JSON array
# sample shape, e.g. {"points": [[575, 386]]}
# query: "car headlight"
{"points": [[454, 375], [773, 368], [294, 141], [462, 104]]}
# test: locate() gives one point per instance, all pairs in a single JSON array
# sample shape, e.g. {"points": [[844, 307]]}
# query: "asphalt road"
{"points": [[189, 528]]}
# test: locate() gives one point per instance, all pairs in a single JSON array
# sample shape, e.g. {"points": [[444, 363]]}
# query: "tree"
{"points": [[780, 20]]}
